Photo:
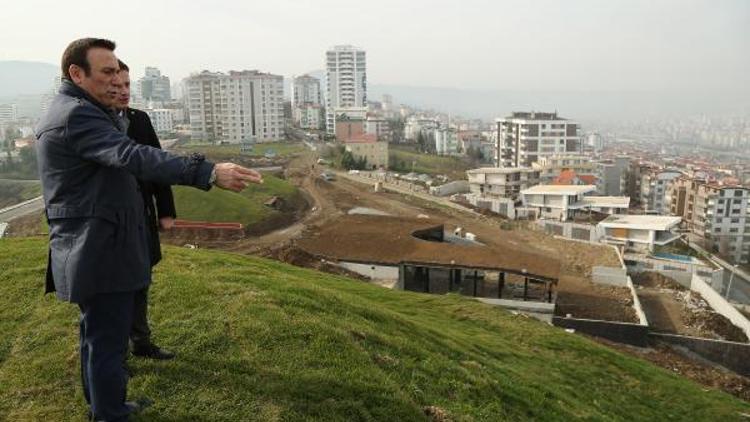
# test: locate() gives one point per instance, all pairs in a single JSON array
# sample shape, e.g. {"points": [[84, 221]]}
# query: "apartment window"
{"points": [[735, 220], [717, 230]]}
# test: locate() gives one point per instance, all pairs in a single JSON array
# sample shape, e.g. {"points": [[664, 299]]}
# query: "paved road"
{"points": [[19, 210]]}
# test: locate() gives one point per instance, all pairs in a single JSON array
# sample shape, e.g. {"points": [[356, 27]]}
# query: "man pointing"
{"points": [[98, 251]]}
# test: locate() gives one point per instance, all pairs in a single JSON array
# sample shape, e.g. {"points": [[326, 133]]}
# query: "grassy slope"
{"points": [[432, 164], [260, 340], [221, 205], [15, 191]]}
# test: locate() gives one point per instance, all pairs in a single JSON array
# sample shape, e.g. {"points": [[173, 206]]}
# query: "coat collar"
{"points": [[70, 89]]}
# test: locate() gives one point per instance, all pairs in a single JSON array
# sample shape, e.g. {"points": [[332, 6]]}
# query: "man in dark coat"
{"points": [[98, 249], [160, 214]]}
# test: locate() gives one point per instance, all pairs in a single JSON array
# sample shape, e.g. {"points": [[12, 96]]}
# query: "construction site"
{"points": [[350, 225]]}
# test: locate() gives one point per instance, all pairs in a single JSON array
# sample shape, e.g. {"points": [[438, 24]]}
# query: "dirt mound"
{"points": [[698, 315]]}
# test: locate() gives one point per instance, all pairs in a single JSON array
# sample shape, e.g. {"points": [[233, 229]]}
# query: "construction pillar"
{"points": [[475, 283], [427, 280], [525, 287], [500, 284]]}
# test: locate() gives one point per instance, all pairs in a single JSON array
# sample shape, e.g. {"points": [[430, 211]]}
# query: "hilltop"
{"points": [[261, 340]]}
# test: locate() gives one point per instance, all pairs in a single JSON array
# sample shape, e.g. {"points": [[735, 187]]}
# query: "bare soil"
{"points": [[704, 373], [671, 308]]}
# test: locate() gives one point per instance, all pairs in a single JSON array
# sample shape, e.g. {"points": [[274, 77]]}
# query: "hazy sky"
{"points": [[640, 45]]}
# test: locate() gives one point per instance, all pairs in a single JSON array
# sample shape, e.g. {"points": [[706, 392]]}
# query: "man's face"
{"points": [[102, 81], [123, 91]]}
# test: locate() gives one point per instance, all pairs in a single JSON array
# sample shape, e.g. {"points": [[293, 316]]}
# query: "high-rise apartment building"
{"points": [[524, 137], [307, 108], [154, 86], [239, 106], [717, 214], [346, 80], [8, 113]]}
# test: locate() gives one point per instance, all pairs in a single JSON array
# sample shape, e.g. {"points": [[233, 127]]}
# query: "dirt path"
{"points": [[663, 312]]}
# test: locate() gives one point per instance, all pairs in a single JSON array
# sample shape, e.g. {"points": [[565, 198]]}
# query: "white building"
{"points": [[8, 113], [236, 107], [494, 182], [346, 78], [446, 141], [563, 202], [162, 119], [416, 125], [309, 116], [525, 137], [153, 86], [640, 233]]}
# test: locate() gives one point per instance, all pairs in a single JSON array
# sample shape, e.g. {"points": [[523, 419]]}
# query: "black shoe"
{"points": [[135, 407], [153, 352]]}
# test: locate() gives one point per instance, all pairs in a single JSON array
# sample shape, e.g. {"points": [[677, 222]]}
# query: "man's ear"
{"points": [[76, 73]]}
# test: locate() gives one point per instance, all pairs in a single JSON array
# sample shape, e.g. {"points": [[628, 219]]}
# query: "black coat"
{"points": [[88, 168], [142, 131]]}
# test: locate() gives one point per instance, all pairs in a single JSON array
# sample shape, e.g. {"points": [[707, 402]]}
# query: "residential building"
{"points": [[612, 176], [525, 137], [446, 141], [570, 177], [564, 202], [718, 215], [380, 127], [550, 167], [349, 128], [162, 119], [494, 182], [306, 90], [236, 107], [418, 125], [154, 86], [653, 190], [309, 116], [346, 77], [367, 146], [639, 233], [8, 113]]}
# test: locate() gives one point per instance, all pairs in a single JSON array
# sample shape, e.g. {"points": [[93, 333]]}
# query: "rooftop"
{"points": [[648, 222], [558, 190], [500, 170], [607, 201]]}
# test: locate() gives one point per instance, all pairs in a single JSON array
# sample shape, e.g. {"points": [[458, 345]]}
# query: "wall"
{"points": [[729, 354], [610, 276], [459, 186], [570, 230], [621, 332], [375, 272], [719, 304], [682, 272]]}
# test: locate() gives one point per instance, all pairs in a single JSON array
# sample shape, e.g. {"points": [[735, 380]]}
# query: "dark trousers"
{"points": [[140, 333], [106, 320]]}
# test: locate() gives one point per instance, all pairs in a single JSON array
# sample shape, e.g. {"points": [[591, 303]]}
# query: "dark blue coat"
{"points": [[88, 168]]}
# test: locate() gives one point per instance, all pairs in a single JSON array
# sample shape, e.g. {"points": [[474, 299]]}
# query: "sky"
{"points": [[530, 45]]}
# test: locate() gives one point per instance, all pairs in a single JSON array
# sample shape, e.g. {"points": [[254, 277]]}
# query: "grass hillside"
{"points": [[245, 207], [409, 160], [261, 340], [15, 191]]}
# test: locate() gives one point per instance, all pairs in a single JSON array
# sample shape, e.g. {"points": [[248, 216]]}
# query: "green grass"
{"points": [[15, 191], [227, 152], [220, 205], [261, 340], [410, 160]]}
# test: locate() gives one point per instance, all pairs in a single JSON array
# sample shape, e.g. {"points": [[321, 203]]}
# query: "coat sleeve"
{"points": [[92, 136], [162, 193]]}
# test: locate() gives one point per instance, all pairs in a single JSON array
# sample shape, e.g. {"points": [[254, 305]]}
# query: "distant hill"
{"points": [[259, 340], [19, 78]]}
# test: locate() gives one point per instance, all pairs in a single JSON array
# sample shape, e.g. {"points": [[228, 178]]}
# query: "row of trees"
{"points": [[21, 167]]}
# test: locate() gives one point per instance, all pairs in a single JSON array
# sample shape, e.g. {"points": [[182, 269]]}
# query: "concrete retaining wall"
{"points": [[574, 231], [720, 305], [459, 186], [682, 272], [537, 307], [637, 304], [728, 354], [610, 276], [621, 332], [374, 272]]}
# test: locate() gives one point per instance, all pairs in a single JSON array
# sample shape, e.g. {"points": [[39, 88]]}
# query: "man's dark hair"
{"points": [[76, 53], [123, 66]]}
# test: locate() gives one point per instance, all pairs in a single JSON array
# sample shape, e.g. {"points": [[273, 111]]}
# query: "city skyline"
{"points": [[625, 46]]}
